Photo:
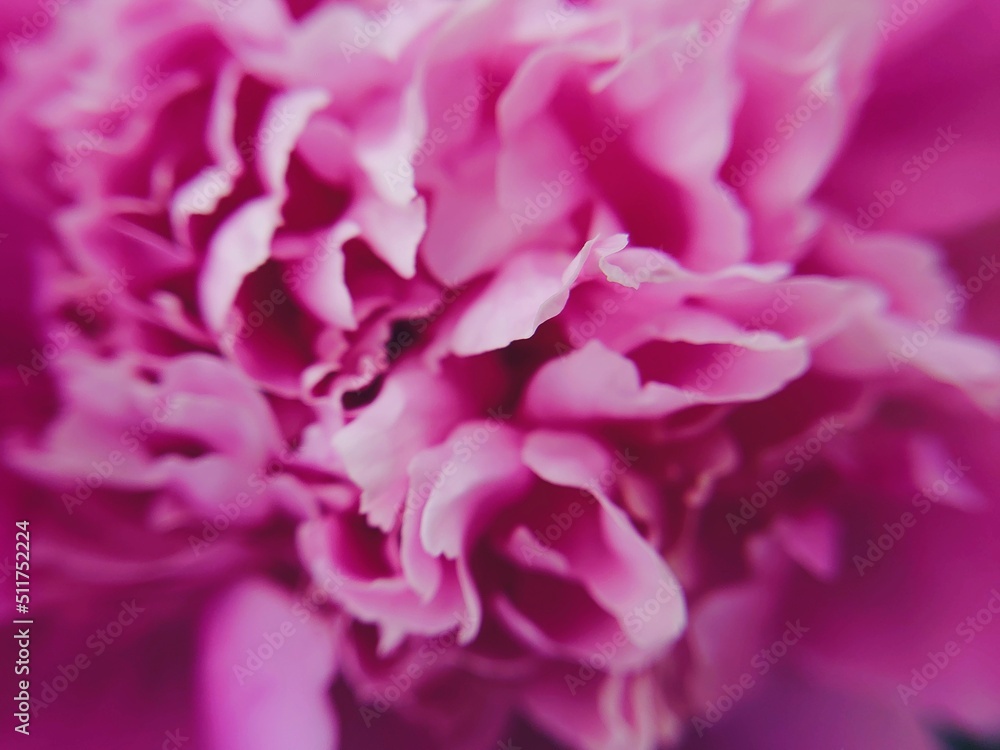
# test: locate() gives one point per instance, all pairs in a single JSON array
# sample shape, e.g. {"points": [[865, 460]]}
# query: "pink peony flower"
{"points": [[593, 375]]}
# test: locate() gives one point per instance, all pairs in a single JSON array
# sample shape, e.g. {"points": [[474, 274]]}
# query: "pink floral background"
{"points": [[600, 375]]}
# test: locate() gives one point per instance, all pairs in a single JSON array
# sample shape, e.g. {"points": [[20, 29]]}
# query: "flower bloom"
{"points": [[610, 374]]}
